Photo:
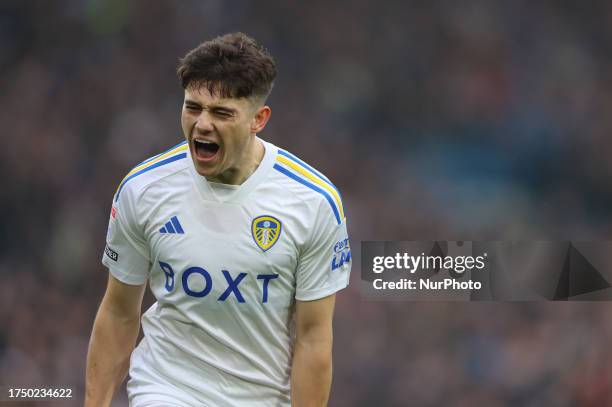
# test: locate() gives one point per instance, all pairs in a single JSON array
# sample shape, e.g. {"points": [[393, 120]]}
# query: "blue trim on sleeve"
{"points": [[157, 164], [162, 153], [311, 186], [310, 168]]}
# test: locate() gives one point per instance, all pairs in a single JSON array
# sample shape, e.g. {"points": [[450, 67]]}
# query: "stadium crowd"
{"points": [[437, 120]]}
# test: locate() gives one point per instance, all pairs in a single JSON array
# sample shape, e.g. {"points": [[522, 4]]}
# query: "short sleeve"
{"points": [[126, 253], [325, 263]]}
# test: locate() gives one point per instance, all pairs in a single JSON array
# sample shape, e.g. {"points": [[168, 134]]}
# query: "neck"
{"points": [[254, 154]]}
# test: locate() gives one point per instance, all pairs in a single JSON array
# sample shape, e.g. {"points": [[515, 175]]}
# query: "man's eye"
{"points": [[192, 108], [223, 113]]}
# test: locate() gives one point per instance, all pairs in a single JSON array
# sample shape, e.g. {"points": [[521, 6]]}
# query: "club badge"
{"points": [[266, 231]]}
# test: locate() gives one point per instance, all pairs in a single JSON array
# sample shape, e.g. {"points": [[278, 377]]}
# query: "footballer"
{"points": [[243, 245]]}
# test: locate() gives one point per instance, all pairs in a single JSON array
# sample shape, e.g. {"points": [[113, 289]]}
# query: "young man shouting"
{"points": [[238, 240]]}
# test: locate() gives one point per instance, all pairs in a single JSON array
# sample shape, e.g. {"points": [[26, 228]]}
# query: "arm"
{"points": [[112, 340], [311, 373]]}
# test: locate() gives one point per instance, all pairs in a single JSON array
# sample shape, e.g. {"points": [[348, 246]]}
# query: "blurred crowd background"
{"points": [[437, 120]]}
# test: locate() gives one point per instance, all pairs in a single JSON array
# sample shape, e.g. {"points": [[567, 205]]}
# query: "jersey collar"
{"points": [[247, 186]]}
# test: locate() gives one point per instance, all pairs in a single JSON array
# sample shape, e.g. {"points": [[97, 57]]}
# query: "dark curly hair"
{"points": [[233, 65]]}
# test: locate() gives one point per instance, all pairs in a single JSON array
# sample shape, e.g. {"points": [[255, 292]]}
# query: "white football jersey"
{"points": [[226, 267]]}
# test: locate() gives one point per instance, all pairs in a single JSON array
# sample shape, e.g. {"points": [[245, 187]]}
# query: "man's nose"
{"points": [[204, 123]]}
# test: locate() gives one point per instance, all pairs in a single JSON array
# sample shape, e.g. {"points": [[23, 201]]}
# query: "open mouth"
{"points": [[205, 150]]}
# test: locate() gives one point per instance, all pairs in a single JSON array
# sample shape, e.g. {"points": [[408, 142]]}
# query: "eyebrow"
{"points": [[213, 107]]}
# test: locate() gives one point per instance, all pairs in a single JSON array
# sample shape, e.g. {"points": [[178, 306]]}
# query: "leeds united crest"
{"points": [[266, 230]]}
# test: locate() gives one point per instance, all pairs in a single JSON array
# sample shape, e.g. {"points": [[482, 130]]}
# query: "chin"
{"points": [[205, 172]]}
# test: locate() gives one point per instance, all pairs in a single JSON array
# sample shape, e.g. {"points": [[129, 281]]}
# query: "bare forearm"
{"points": [[311, 374], [112, 341]]}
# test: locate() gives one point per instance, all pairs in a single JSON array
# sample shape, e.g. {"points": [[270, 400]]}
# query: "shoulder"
{"points": [[154, 169], [308, 184]]}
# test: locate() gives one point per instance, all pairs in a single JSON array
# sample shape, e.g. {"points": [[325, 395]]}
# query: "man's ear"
{"points": [[262, 115]]}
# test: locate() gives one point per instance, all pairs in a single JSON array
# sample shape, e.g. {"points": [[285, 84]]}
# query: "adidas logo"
{"points": [[174, 226]]}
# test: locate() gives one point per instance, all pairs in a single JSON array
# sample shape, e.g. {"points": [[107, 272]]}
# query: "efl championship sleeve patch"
{"points": [[342, 254]]}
